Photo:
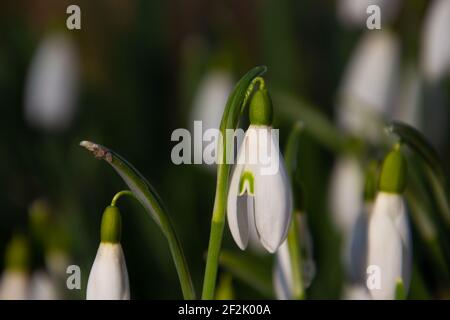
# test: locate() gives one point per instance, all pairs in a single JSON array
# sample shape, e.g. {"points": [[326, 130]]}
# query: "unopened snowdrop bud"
{"points": [[108, 279], [14, 282], [260, 191], [52, 84], [389, 240]]}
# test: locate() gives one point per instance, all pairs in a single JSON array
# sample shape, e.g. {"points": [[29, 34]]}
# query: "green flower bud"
{"points": [[17, 253], [261, 110], [111, 228], [394, 172]]}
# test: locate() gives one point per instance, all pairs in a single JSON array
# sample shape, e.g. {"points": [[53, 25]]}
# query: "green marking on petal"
{"points": [[246, 183]]}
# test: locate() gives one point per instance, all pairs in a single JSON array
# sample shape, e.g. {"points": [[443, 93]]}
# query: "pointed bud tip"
{"points": [[261, 110]]}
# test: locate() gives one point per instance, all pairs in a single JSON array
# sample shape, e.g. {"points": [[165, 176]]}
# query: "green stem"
{"points": [[296, 259], [294, 245], [151, 202], [120, 194], [236, 104]]}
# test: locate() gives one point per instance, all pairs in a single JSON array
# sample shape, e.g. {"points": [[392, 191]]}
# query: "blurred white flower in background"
{"points": [[42, 286], [390, 244], [14, 285], [346, 193], [282, 273], [211, 98], [353, 13], [408, 101], [436, 41], [52, 84], [356, 292], [368, 86]]}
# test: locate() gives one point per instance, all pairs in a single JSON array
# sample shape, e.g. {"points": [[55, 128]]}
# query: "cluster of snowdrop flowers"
{"points": [[389, 251], [108, 279], [259, 191]]}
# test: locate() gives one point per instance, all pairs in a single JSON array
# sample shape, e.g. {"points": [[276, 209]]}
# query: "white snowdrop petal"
{"points": [[385, 248], [436, 41], [108, 279], [403, 228], [273, 203], [237, 212]]}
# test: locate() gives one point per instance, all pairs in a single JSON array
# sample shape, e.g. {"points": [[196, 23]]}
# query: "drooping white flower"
{"points": [[14, 285], [370, 79], [42, 286], [389, 240], [282, 274], [354, 12], [108, 279], [259, 191], [435, 40], [52, 84]]}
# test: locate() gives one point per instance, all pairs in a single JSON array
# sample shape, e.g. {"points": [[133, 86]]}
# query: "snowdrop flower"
{"points": [[108, 279], [369, 82], [354, 12], [389, 240], [14, 282], [435, 41], [52, 84], [42, 287], [282, 275], [259, 191]]}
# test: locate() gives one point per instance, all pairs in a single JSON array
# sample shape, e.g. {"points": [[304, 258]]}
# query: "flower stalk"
{"points": [[236, 104]]}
